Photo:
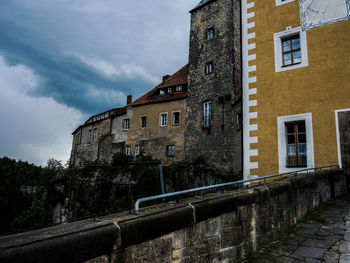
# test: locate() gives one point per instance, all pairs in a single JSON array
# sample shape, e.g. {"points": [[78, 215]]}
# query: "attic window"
{"points": [[161, 91], [179, 88]]}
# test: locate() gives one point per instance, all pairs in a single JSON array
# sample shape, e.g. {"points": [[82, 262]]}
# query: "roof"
{"points": [[103, 116], [201, 3], [178, 78]]}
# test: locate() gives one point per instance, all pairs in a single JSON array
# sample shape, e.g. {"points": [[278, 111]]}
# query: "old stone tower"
{"points": [[213, 122]]}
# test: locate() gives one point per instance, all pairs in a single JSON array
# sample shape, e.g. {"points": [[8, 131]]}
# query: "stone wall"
{"points": [[228, 227], [220, 143]]}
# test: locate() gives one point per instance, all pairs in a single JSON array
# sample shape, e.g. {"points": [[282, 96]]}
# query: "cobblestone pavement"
{"points": [[324, 236]]}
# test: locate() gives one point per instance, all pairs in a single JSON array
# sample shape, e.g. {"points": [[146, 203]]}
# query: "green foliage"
{"points": [[199, 160], [120, 159]]}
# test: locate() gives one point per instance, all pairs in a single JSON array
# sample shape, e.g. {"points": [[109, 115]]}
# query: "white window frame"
{"points": [[282, 2], [137, 149], [161, 92], [128, 149], [170, 90], [170, 150], [142, 127], [126, 124], [278, 49], [95, 134], [163, 119], [173, 120], [209, 68], [207, 121], [282, 143], [179, 88]]}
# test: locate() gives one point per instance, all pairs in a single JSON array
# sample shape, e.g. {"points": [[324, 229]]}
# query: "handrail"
{"points": [[155, 197]]}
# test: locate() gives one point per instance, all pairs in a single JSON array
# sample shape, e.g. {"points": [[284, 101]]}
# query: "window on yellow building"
{"points": [[296, 144], [291, 52]]}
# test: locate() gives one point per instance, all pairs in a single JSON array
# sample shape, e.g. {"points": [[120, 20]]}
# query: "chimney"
{"points": [[166, 77], [128, 99]]}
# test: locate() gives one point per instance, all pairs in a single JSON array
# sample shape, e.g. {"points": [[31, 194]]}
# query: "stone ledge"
{"points": [[73, 242]]}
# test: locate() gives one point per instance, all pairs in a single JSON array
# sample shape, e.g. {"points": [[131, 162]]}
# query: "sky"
{"points": [[64, 60]]}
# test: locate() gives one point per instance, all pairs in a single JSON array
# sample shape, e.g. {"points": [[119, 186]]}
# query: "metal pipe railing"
{"points": [[155, 197]]}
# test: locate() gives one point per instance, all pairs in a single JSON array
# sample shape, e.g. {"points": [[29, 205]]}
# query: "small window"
{"points": [[207, 114], [161, 91], [296, 144], [90, 135], [126, 124], [95, 134], [143, 122], [209, 68], [210, 33], [170, 150], [179, 88], [137, 150], [170, 90], [163, 119], [291, 53], [176, 118], [128, 150]]}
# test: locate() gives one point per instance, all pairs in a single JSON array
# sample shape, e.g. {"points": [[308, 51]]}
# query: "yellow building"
{"points": [[296, 85]]}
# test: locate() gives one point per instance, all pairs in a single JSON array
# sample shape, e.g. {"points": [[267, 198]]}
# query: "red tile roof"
{"points": [[153, 96]]}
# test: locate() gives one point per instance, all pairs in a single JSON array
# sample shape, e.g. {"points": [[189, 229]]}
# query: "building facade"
{"points": [[296, 84], [213, 122], [154, 125]]}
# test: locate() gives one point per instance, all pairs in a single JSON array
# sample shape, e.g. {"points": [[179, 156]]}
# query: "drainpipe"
{"points": [[161, 178]]}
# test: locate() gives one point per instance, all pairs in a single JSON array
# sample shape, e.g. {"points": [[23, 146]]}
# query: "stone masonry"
{"points": [[220, 143]]}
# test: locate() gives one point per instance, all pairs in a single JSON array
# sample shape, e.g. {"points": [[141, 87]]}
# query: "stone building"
{"points": [[213, 121], [154, 125], [296, 85]]}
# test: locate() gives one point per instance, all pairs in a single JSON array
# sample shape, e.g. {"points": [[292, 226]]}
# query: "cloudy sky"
{"points": [[63, 60]]}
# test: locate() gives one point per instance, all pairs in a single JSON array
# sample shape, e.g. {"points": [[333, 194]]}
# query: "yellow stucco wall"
{"points": [[155, 137], [320, 88]]}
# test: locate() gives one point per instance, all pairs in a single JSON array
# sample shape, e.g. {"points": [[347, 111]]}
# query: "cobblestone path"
{"points": [[324, 236]]}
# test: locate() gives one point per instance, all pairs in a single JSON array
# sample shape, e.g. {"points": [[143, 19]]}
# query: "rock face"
{"points": [[215, 78]]}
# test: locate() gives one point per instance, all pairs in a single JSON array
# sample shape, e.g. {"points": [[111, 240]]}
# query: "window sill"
{"points": [[286, 66]]}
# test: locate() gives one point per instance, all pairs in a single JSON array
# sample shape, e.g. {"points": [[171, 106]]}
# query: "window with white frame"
{"points": [[209, 68], [290, 48], [207, 114], [95, 134], [163, 119], [143, 122], [128, 150], [137, 150], [170, 150], [179, 88], [176, 118], [281, 2], [126, 124], [161, 91], [170, 90], [295, 142]]}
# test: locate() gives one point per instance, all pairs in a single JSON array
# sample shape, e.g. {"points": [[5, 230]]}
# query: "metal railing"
{"points": [[239, 183]]}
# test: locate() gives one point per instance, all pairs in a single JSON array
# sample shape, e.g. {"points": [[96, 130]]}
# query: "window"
{"points": [[163, 119], [207, 114], [210, 33], [161, 91], [176, 118], [209, 68], [126, 124], [95, 134], [290, 49], [179, 88], [170, 150], [296, 144], [291, 53], [170, 90], [137, 150], [281, 2], [143, 122], [90, 135], [128, 150]]}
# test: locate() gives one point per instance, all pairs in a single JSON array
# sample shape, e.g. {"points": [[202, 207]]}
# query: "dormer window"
{"points": [[161, 91], [179, 88], [170, 90]]}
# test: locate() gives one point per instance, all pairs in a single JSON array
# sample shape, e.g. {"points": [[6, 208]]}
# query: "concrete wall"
{"points": [[220, 143], [222, 228]]}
